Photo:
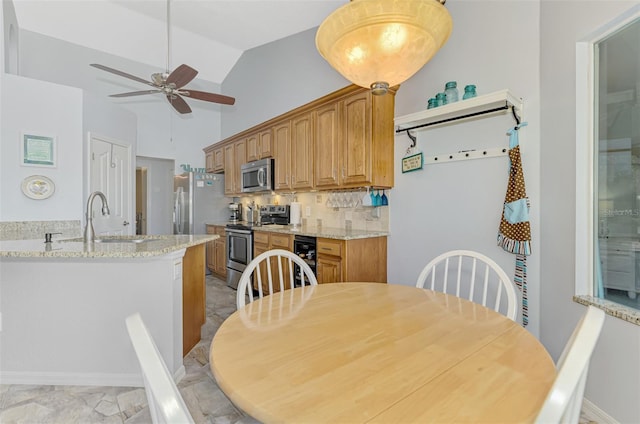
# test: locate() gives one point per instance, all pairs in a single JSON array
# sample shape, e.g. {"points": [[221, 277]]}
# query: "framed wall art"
{"points": [[37, 150]]}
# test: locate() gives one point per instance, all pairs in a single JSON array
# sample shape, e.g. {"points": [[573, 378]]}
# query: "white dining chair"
{"points": [[471, 275], [564, 401], [165, 401], [275, 264]]}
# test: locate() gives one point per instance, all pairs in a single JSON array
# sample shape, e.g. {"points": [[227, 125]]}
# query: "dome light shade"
{"points": [[378, 44]]}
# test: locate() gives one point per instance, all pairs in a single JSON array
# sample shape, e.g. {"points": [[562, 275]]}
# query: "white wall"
{"points": [[35, 107]]}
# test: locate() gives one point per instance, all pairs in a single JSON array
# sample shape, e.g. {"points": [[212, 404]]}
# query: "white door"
{"points": [[110, 172]]}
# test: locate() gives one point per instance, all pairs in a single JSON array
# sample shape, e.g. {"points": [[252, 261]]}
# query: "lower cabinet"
{"points": [[262, 242], [217, 251], [352, 260], [193, 296]]}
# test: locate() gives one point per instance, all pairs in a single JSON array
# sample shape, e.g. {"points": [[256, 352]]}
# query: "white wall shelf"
{"points": [[498, 101]]}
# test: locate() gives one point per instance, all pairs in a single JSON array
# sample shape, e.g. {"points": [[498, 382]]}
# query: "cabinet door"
{"points": [[282, 150], [302, 151], [356, 143], [253, 148], [328, 269], [327, 145], [265, 144], [218, 159], [229, 169], [209, 162], [264, 279], [241, 158], [220, 257]]}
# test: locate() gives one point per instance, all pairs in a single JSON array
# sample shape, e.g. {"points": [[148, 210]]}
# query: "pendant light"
{"points": [[378, 44]]}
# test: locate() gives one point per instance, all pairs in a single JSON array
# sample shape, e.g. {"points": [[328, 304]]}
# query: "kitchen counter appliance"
{"points": [[198, 198], [240, 240], [257, 176], [305, 248]]}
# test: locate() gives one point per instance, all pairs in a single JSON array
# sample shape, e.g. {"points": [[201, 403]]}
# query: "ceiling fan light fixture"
{"points": [[381, 43]]}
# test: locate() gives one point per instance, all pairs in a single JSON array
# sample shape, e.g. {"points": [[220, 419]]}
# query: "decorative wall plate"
{"points": [[38, 187]]}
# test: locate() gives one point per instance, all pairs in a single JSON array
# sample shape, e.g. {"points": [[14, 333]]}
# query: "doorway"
{"points": [[154, 200], [141, 200]]}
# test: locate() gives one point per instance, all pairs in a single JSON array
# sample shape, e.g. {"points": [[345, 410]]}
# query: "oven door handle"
{"points": [[238, 231]]}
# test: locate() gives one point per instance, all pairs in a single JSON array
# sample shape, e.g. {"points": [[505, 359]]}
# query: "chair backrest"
{"points": [[564, 401], [473, 276], [165, 402], [275, 264]]}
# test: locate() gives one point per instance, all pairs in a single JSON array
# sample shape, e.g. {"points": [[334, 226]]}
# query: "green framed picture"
{"points": [[38, 150]]}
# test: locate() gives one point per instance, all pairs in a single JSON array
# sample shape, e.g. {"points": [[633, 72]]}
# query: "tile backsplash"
{"points": [[24, 230], [317, 212]]}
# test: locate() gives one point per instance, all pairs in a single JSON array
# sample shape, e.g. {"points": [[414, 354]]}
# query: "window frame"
{"points": [[586, 98]]}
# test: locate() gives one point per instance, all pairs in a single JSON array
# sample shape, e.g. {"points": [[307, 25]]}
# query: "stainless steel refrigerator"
{"points": [[198, 199]]}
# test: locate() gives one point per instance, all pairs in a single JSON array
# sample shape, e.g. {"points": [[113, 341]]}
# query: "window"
{"points": [[608, 164]]}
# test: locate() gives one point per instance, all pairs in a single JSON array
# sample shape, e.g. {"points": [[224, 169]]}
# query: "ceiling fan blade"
{"points": [[208, 97], [122, 74], [135, 93], [182, 75], [178, 103]]}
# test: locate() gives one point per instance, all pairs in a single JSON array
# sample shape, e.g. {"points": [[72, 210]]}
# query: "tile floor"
{"points": [[118, 405], [75, 404]]}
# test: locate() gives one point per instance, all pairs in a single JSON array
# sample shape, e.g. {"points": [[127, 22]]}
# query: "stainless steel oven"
{"points": [[239, 252]]}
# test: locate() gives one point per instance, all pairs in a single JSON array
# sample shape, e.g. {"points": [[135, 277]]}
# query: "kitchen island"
{"points": [[64, 306]]}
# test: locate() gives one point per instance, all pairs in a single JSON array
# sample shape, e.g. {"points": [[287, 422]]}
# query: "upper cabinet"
{"points": [[342, 140]]}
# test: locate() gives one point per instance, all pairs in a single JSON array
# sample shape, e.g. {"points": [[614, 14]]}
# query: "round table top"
{"points": [[356, 352]]}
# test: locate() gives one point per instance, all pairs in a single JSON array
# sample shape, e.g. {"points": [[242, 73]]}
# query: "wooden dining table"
{"points": [[378, 353]]}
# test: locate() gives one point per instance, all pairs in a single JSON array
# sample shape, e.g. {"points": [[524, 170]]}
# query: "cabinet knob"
{"points": [[125, 223]]}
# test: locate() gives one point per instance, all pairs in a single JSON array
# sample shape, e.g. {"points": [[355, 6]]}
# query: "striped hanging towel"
{"points": [[515, 232]]}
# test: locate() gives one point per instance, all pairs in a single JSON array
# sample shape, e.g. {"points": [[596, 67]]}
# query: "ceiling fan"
{"points": [[171, 84]]}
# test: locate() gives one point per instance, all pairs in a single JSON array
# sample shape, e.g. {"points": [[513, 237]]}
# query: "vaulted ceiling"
{"points": [[209, 35]]}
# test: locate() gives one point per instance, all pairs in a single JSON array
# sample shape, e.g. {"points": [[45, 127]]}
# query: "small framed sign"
{"points": [[412, 163], [38, 150]]}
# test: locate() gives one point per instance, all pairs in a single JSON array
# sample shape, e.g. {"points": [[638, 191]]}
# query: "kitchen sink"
{"points": [[125, 240]]}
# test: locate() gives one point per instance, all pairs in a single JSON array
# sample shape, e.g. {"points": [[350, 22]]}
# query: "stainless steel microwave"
{"points": [[257, 176]]}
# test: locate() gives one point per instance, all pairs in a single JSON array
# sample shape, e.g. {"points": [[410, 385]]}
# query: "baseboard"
{"points": [[593, 413], [80, 379], [72, 379]]}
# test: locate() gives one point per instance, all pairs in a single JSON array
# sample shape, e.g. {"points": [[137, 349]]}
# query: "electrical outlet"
{"points": [[307, 211], [318, 198]]}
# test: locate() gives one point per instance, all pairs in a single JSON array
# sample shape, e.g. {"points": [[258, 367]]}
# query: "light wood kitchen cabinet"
{"points": [[217, 251], [342, 140], [327, 146], [352, 260], [264, 241], [208, 161], [282, 155], [235, 155], [214, 159], [302, 152], [259, 145], [193, 296]]}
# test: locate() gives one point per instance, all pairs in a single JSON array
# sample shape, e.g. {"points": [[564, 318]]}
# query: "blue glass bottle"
{"points": [[451, 91], [469, 92], [441, 99], [432, 103]]}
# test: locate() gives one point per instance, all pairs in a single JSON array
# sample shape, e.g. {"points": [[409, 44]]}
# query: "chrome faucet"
{"points": [[89, 234]]}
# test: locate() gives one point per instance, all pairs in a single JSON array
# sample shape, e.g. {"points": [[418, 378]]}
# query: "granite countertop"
{"points": [[154, 245], [324, 232]]}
